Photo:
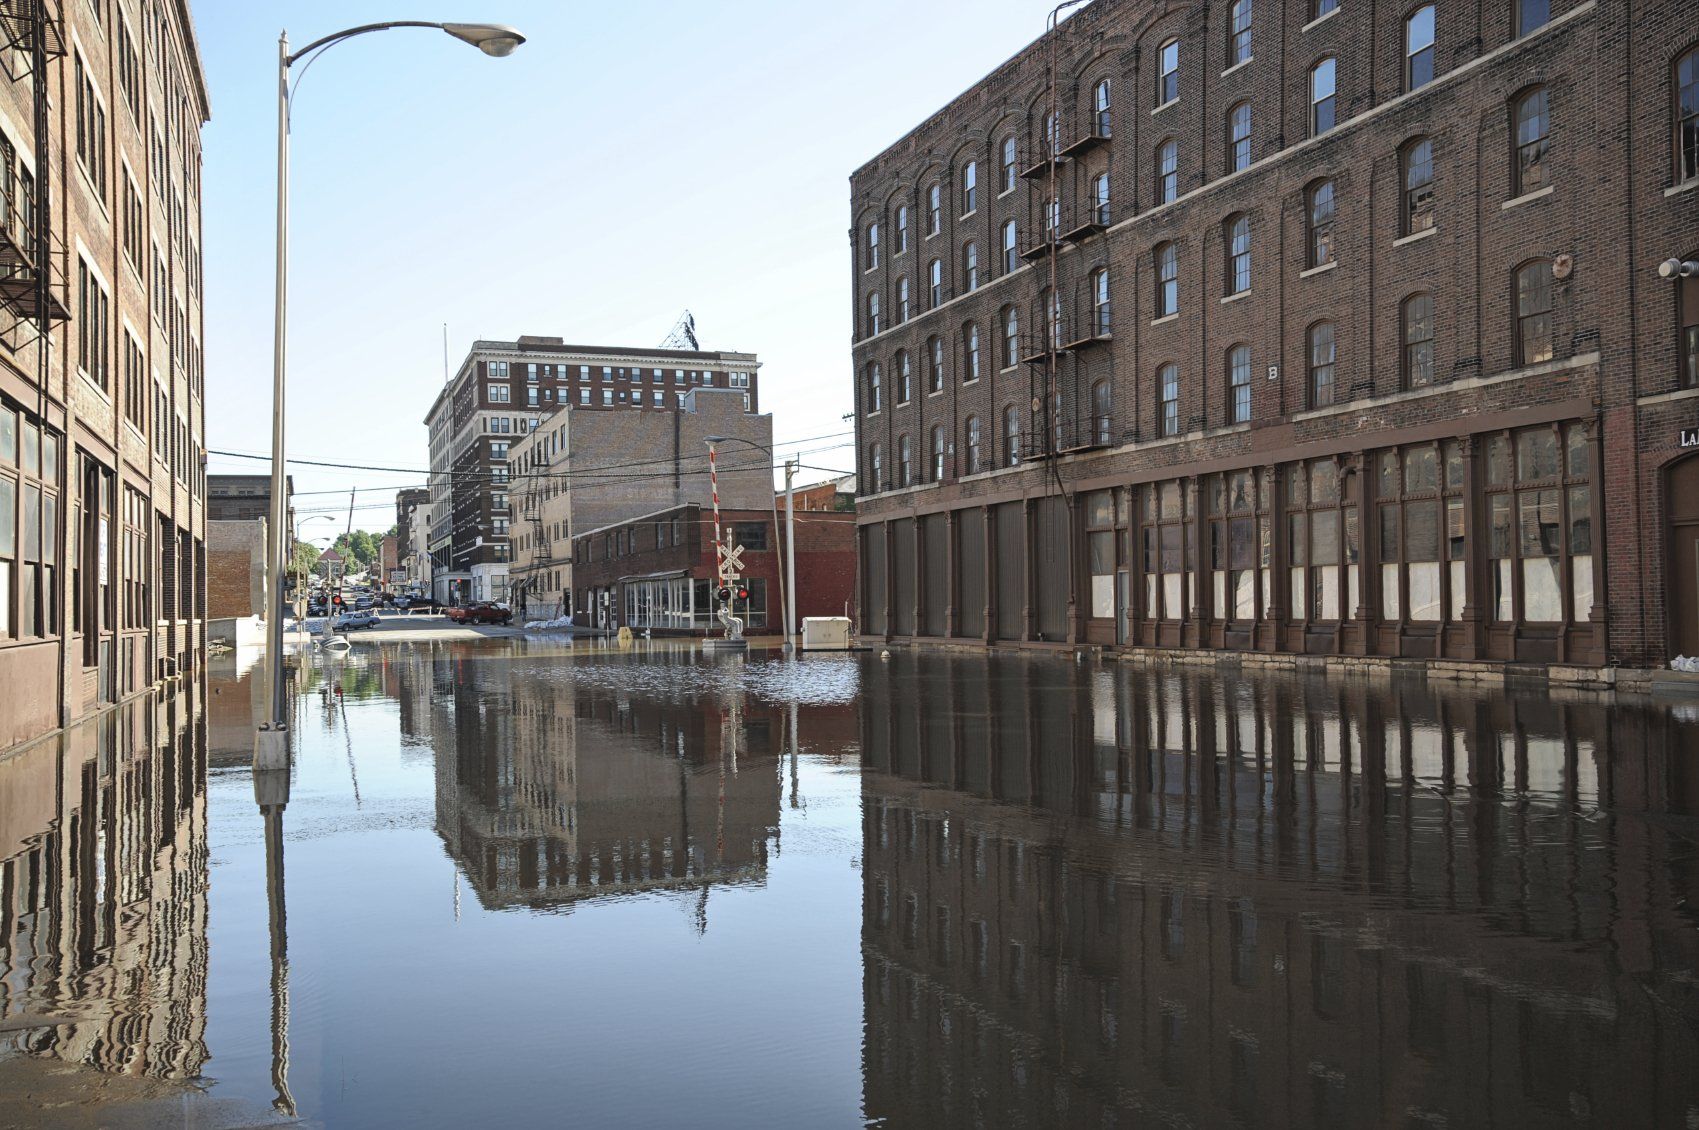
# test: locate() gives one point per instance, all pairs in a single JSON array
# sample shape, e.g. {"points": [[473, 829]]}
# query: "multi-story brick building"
{"points": [[412, 536], [583, 468], [501, 392], [102, 549], [1336, 328]]}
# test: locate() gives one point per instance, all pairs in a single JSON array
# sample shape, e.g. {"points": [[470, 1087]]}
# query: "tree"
{"points": [[306, 557]]}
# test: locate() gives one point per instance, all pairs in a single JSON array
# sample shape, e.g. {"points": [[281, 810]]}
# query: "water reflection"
{"points": [[104, 894], [1095, 897]]}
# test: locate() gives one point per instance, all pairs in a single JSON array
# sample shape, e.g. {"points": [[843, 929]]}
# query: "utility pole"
{"points": [[791, 625]]}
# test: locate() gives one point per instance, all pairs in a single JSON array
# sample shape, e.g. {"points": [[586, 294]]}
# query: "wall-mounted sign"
{"points": [[1690, 437]]}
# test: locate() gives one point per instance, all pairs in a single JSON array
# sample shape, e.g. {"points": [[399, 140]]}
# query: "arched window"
{"points": [[974, 466], [1418, 333], [1168, 400], [1100, 199], [875, 394], [1052, 220], [1168, 72], [1239, 385], [905, 463], [1100, 414], [1011, 336], [1531, 15], [970, 353], [873, 245], [1534, 312], [902, 300], [1100, 108], [935, 284], [1419, 47], [1323, 357], [1167, 171], [1011, 436], [877, 461], [1533, 141], [970, 266], [934, 209], [1239, 33], [1323, 96], [970, 188], [1321, 223], [937, 453], [1100, 322], [872, 313], [902, 228], [1011, 257], [1051, 300], [934, 364], [1418, 162], [1009, 170], [1167, 280], [1239, 137], [1320, 8], [1052, 136], [904, 374], [1237, 232], [1686, 116]]}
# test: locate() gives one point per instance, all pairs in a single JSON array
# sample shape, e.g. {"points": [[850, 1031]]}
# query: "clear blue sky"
{"points": [[630, 161]]}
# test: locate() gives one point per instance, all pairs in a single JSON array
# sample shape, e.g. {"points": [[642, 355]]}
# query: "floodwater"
{"points": [[516, 883]]}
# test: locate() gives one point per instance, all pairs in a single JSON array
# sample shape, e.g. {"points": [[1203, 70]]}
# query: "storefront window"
{"points": [[1540, 521], [1165, 514], [1421, 579], [1100, 552]]}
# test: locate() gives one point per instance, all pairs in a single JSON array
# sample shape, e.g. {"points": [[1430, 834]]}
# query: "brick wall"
{"points": [[235, 568]]}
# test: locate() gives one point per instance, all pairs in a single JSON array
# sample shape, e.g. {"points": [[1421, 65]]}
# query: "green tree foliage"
{"points": [[306, 557], [359, 549]]}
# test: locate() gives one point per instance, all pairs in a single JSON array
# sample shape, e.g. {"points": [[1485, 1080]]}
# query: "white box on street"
{"points": [[825, 633]]}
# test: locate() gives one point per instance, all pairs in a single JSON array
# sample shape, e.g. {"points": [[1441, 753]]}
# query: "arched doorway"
{"points": [[1681, 495]]}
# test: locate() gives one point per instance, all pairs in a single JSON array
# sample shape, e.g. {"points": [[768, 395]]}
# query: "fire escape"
{"points": [[33, 259], [531, 511]]}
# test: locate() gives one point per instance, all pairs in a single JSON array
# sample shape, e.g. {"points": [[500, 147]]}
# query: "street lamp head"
{"points": [[496, 40], [713, 439]]}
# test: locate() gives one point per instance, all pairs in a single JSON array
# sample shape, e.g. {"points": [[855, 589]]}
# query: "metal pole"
{"points": [[278, 555], [790, 557], [714, 492]]}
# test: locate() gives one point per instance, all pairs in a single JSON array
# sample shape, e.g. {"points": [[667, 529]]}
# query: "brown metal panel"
{"points": [[1010, 521], [875, 615], [902, 577], [935, 535], [1050, 568], [970, 572]]}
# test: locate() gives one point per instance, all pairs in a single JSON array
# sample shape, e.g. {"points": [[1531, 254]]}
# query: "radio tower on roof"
{"points": [[683, 333]]}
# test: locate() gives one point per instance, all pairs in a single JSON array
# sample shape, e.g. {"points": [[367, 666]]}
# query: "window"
{"points": [[937, 454], [1009, 170], [902, 300], [1050, 302], [875, 394], [935, 283], [1320, 8], [1101, 414], [499, 394], [1690, 332], [1100, 107], [1167, 510], [1052, 220], [1239, 33], [873, 313], [1239, 137], [91, 130], [902, 229], [1052, 136], [1100, 199], [970, 188], [1540, 515], [1418, 186], [1533, 142], [1011, 336], [934, 210], [1321, 223], [970, 353], [135, 220], [1168, 400], [1320, 533], [1100, 302], [872, 245], [1011, 256], [1167, 171], [1011, 436], [1531, 15], [904, 466], [1167, 280], [1168, 72], [1239, 385], [970, 266], [1418, 330], [1238, 239], [935, 364], [1419, 47], [94, 327], [1323, 357], [1687, 116], [901, 370], [973, 462], [1323, 102], [877, 465], [1534, 312]]}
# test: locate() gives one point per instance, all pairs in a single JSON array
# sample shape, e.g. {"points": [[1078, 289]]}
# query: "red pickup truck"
{"points": [[483, 612]]}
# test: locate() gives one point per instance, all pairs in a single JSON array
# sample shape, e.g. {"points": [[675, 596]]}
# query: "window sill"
{"points": [[972, 381], [935, 392], [1226, 298], [1319, 20], [1405, 241], [1166, 318], [1010, 191], [1684, 186], [1241, 65], [1158, 109], [1312, 272], [1526, 197], [967, 215]]}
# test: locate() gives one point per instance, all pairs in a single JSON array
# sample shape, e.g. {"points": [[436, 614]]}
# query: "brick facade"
{"points": [[1121, 404]]}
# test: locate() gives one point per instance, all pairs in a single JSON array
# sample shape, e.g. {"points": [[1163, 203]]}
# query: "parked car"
{"points": [[483, 612], [401, 603], [363, 603], [355, 620]]}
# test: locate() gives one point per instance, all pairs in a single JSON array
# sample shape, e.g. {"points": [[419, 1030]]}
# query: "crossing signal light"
{"points": [[337, 600], [742, 593], [725, 594]]}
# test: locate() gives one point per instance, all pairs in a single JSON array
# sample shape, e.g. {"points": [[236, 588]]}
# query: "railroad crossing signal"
{"points": [[731, 559]]}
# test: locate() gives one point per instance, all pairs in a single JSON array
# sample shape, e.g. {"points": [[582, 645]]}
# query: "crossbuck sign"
{"points": [[731, 560]]}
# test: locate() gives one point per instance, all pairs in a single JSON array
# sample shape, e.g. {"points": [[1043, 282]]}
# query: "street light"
{"points": [[790, 530], [496, 40]]}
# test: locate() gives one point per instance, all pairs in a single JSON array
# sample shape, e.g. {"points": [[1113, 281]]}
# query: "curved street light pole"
{"points": [[495, 40]]}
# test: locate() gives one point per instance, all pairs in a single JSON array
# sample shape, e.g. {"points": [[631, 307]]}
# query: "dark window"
{"points": [[1418, 186], [1011, 256], [1167, 280], [970, 187], [1321, 224], [1238, 241], [970, 353], [1534, 312], [1533, 142], [1100, 106], [1687, 116], [1418, 341], [1011, 436], [1168, 72], [1239, 137], [1419, 47], [1167, 172], [1323, 356], [1009, 171], [1168, 396], [1323, 96], [751, 535], [1011, 337], [1239, 32], [1532, 15], [973, 460], [1239, 384]]}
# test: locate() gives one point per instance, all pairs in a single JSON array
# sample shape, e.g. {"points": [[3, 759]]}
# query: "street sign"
{"points": [[397, 576]]}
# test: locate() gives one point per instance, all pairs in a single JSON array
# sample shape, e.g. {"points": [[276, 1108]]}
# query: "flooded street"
{"points": [[518, 883]]}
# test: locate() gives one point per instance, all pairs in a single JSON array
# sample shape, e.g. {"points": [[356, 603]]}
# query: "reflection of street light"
{"points": [[790, 528], [496, 40]]}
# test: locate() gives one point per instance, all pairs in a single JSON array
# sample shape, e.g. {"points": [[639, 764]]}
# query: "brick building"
{"points": [[659, 571], [582, 469], [501, 391], [1331, 329], [412, 536], [102, 484], [241, 498]]}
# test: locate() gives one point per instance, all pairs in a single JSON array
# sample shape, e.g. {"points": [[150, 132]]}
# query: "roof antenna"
{"points": [[683, 334]]}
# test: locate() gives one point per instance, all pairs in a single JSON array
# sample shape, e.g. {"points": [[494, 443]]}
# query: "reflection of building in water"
{"points": [[1280, 904], [557, 787], [103, 893]]}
